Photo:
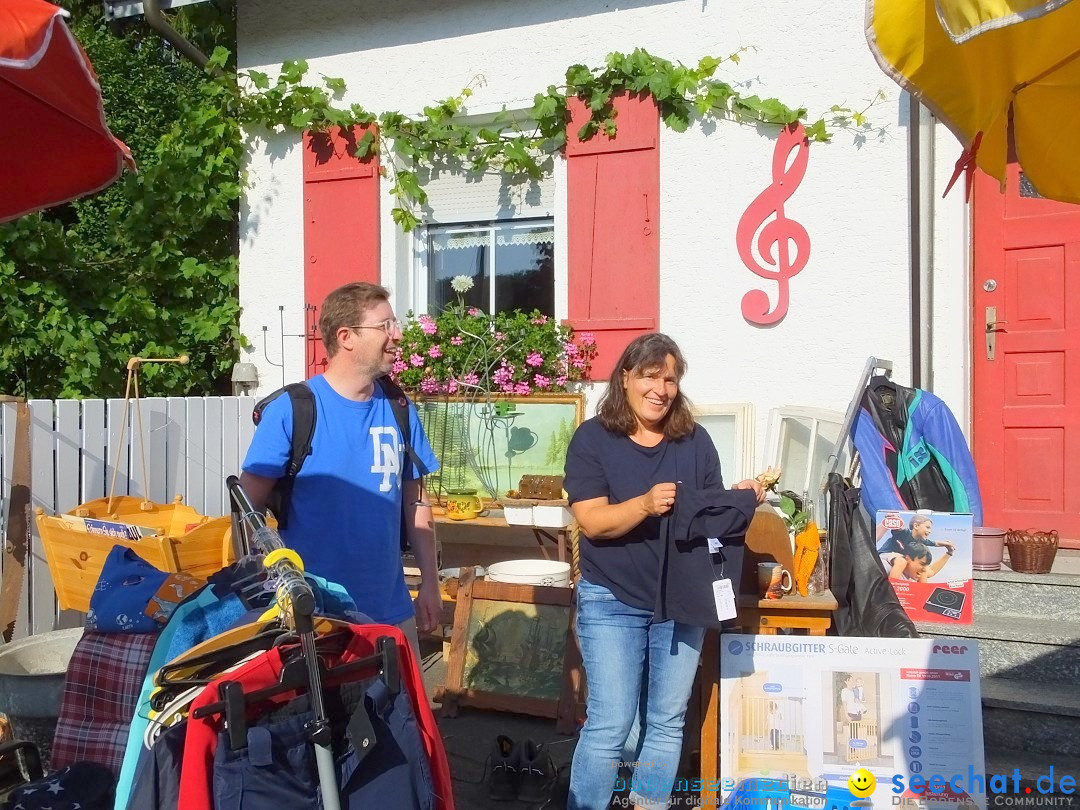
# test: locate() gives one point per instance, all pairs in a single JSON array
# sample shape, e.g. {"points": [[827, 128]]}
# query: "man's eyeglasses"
{"points": [[390, 326]]}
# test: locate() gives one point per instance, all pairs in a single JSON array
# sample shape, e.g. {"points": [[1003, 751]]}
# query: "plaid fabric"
{"points": [[100, 693]]}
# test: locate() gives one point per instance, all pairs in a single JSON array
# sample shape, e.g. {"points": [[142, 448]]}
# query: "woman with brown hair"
{"points": [[621, 479]]}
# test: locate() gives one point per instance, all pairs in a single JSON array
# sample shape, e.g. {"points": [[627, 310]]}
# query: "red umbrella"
{"points": [[54, 142]]}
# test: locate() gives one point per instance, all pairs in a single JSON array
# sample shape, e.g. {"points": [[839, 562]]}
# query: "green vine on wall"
{"points": [[149, 266], [411, 144]]}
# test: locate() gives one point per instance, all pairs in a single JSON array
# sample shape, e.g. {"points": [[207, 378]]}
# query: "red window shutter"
{"points": [[341, 223], [613, 238]]}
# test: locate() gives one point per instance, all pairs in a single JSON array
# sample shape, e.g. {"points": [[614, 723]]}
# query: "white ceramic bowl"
{"points": [[531, 572]]}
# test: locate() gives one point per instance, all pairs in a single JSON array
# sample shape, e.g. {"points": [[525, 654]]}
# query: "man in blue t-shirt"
{"points": [[345, 511]]}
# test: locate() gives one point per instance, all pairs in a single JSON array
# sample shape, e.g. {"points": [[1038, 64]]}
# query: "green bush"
{"points": [[148, 266]]}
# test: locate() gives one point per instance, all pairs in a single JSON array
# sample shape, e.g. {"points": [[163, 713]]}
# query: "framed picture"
{"points": [[485, 444], [512, 649]]}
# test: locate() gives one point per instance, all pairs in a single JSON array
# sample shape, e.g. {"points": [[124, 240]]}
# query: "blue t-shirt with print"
{"points": [[345, 512]]}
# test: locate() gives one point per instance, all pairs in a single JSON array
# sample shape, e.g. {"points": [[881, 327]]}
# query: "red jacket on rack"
{"points": [[196, 775]]}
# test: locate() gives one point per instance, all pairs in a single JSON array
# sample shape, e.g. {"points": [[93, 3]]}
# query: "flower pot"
{"points": [[987, 548]]}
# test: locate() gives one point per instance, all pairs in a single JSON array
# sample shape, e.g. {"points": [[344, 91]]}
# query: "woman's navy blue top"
{"points": [[601, 464]]}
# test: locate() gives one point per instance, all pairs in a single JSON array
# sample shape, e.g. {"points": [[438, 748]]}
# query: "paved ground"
{"points": [[470, 737]]}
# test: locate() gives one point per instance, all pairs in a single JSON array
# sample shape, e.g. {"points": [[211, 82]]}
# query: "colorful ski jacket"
{"points": [[914, 455]]}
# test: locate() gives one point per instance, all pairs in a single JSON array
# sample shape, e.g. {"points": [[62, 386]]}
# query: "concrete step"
{"points": [[1018, 647], [1054, 596], [1034, 717]]}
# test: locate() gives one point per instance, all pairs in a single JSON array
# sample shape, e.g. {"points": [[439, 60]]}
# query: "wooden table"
{"points": [[812, 614], [495, 520]]}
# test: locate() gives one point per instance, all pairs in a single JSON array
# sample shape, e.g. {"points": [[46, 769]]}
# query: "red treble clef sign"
{"points": [[775, 238]]}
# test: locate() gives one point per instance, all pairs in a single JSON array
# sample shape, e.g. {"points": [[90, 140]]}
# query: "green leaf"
{"points": [[259, 79], [677, 121], [292, 72], [336, 86], [787, 506], [219, 58], [405, 219], [707, 66], [366, 145], [817, 132], [578, 75]]}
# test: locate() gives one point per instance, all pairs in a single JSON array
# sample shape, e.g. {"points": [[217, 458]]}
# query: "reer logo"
{"points": [[950, 649]]}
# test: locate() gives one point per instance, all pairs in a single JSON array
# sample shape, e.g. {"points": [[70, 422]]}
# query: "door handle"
{"points": [[993, 326]]}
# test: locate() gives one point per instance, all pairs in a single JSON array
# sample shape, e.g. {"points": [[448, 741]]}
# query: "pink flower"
{"points": [[507, 388], [541, 320], [429, 385], [503, 375], [522, 389], [470, 379], [456, 340], [588, 339], [428, 325], [400, 366], [435, 352], [452, 387], [578, 363], [500, 336], [416, 360], [474, 311], [535, 359], [560, 380], [541, 381], [571, 350]]}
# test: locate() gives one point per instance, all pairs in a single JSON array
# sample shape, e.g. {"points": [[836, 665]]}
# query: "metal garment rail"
{"points": [[295, 598], [872, 364]]}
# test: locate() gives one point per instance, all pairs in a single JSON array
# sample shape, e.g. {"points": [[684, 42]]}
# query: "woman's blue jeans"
{"points": [[631, 662]]}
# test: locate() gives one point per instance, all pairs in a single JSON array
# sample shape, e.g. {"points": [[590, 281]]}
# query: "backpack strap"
{"points": [[399, 403], [302, 399]]}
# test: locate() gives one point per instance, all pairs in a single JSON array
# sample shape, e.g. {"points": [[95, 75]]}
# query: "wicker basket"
{"points": [[1032, 552]]}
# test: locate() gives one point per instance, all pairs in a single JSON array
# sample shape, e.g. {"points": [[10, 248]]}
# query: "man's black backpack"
{"points": [[303, 430]]}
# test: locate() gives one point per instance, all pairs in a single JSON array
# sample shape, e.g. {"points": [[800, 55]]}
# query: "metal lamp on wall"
{"points": [[245, 379]]}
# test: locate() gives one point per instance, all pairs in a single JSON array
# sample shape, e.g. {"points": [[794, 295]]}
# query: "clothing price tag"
{"points": [[724, 597], [714, 545]]}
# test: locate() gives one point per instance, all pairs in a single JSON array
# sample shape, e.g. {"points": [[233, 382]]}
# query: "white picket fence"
{"points": [[191, 445]]}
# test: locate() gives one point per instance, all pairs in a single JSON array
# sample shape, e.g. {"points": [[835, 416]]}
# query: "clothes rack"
{"points": [[873, 365]]}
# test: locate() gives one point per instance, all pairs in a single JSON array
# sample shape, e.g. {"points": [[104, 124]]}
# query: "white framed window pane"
{"points": [[794, 453], [525, 269], [455, 252], [802, 440], [723, 428]]}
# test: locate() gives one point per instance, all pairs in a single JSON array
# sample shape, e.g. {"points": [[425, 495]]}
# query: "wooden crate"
{"points": [[178, 539]]}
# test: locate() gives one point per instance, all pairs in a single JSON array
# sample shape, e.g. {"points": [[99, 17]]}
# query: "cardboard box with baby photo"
{"points": [[927, 557]]}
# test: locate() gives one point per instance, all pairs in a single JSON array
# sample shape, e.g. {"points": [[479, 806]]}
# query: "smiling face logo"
{"points": [[861, 783]]}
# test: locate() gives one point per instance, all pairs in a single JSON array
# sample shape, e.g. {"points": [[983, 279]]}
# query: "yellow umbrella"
{"points": [[1005, 70]]}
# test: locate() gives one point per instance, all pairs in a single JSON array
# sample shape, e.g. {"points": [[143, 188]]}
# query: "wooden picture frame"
{"points": [[487, 442], [513, 649]]}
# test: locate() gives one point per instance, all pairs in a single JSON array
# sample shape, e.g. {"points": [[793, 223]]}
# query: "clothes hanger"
{"points": [[293, 679]]}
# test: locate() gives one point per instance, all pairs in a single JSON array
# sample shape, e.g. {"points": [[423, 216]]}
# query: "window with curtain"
{"points": [[511, 265]]}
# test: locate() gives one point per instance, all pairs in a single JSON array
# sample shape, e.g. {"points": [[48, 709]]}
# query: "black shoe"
{"points": [[536, 772], [502, 770]]}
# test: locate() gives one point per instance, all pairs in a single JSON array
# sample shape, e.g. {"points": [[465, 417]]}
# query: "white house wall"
{"points": [[851, 300]]}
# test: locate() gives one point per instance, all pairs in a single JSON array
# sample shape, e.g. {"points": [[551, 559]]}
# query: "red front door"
{"points": [[1026, 395]]}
